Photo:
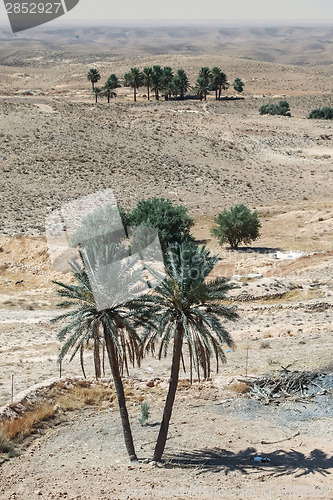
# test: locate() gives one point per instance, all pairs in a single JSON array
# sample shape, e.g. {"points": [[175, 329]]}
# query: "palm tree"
{"points": [[97, 91], [201, 87], [166, 81], [203, 82], [187, 309], [184, 83], [157, 80], [110, 85], [93, 76], [148, 78], [216, 76], [134, 79], [223, 83], [86, 318]]}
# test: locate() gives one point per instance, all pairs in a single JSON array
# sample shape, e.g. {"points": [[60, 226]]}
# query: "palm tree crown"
{"points": [[93, 76]]}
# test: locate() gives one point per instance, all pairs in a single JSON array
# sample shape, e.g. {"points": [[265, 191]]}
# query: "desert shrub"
{"points": [[282, 108], [240, 387], [5, 444], [265, 344], [325, 113], [144, 413], [238, 85], [172, 222], [239, 225]]}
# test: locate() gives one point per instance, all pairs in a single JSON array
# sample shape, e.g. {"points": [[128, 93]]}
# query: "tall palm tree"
{"points": [[223, 83], [134, 79], [97, 91], [148, 79], [157, 80], [201, 87], [216, 76], [186, 309], [110, 85], [93, 76], [85, 318], [166, 81], [203, 81], [184, 83]]}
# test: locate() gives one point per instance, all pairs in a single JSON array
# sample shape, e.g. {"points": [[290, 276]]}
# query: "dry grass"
{"points": [[73, 399], [239, 387], [26, 424], [78, 397]]}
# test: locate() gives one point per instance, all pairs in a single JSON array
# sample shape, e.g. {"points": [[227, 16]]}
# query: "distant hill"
{"points": [[281, 44]]}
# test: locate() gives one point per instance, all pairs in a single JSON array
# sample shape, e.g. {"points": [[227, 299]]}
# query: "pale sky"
{"points": [[177, 11]]}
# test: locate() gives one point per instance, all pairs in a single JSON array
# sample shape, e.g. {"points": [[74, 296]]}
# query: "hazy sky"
{"points": [[194, 11]]}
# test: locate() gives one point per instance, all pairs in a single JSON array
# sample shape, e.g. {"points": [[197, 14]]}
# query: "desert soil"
{"points": [[57, 145]]}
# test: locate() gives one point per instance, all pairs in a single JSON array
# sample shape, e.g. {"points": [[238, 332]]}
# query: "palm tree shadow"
{"points": [[281, 462]]}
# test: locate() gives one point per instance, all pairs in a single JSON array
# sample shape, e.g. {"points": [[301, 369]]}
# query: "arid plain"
{"points": [[56, 145]]}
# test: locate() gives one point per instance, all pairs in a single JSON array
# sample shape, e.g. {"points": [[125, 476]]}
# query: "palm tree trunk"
{"points": [[216, 94], [134, 94], [96, 98], [81, 360], [163, 434], [97, 358], [120, 396], [148, 91]]}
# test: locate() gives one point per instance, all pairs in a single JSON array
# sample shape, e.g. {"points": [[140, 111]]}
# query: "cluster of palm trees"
{"points": [[185, 309], [164, 81]]}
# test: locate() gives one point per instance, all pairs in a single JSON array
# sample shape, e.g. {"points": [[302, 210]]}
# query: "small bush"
{"points": [[325, 113], [239, 225], [239, 387], [5, 445], [144, 413], [282, 109], [265, 345]]}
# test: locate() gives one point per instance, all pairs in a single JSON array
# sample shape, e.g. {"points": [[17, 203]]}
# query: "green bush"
{"points": [[325, 113], [144, 413], [282, 109], [172, 222], [239, 225]]}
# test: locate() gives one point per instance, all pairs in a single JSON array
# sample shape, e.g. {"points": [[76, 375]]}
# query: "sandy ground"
{"points": [[58, 145]]}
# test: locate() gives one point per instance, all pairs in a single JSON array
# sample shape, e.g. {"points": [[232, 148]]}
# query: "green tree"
{"points": [[167, 79], [97, 91], [93, 76], [157, 80], [134, 79], [238, 85], [186, 309], [216, 78], [172, 222], [236, 226], [183, 83], [85, 318], [201, 87], [148, 79], [110, 85]]}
